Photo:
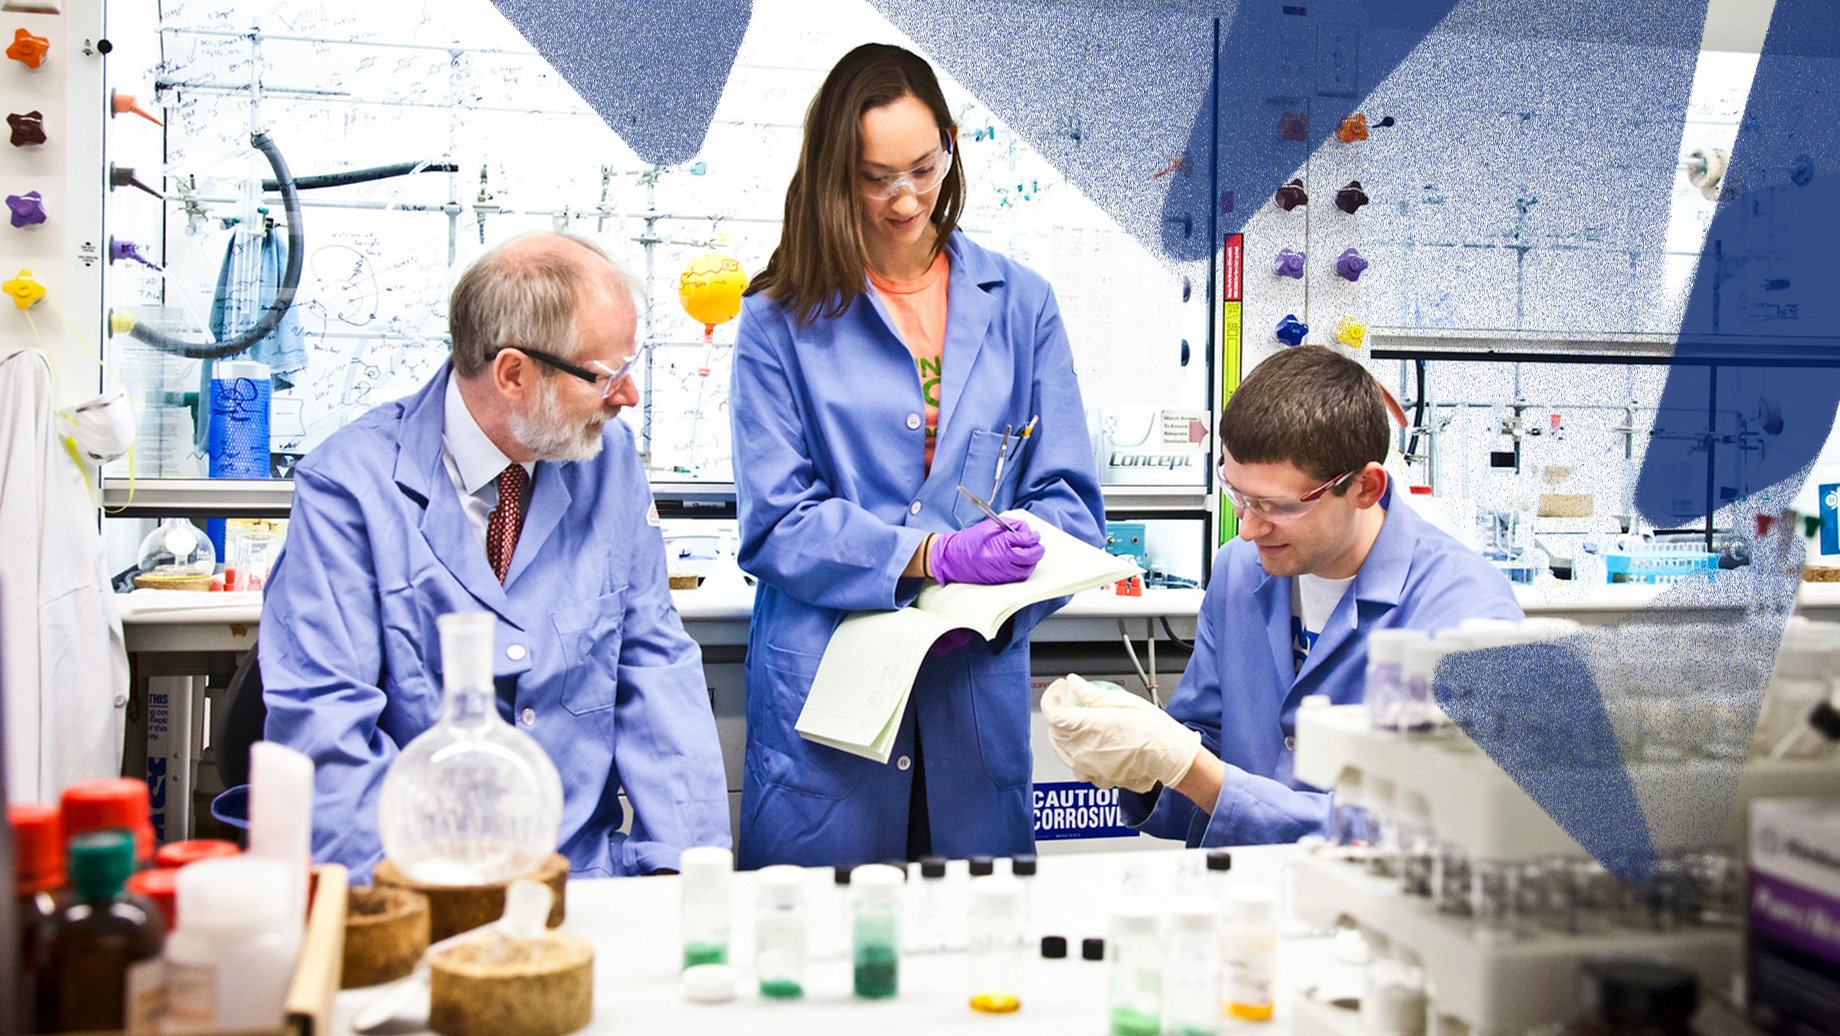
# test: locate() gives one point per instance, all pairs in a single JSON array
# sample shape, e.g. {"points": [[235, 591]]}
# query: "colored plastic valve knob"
{"points": [[28, 208], [1288, 264], [1292, 126], [1291, 330], [28, 49], [1292, 195], [1351, 197], [24, 291], [1352, 128], [128, 104], [1351, 332], [1349, 265], [28, 128]]}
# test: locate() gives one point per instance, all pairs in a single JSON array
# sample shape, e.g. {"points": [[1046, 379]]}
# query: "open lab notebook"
{"points": [[867, 672]]}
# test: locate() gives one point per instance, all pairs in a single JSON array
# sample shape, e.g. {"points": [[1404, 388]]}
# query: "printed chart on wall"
{"points": [[1232, 298]]}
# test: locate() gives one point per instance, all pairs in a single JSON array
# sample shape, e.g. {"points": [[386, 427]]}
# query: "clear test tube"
{"points": [[780, 930], [1450, 879], [1136, 968], [1192, 971], [997, 944], [1418, 844], [706, 886]]}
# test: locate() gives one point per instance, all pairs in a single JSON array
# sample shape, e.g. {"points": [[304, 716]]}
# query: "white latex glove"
{"points": [[1111, 737]]}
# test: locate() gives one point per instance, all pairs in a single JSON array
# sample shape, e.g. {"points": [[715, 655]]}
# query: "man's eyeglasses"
{"points": [[920, 179], [594, 373], [1276, 509]]}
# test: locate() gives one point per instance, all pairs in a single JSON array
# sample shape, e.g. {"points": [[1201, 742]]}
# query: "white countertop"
{"points": [[633, 924]]}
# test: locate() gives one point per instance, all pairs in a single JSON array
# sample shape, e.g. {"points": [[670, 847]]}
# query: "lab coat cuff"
{"points": [[906, 588], [1235, 785]]}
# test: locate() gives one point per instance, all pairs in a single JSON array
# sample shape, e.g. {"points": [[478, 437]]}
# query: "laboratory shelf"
{"points": [[1506, 345], [1444, 780], [1493, 984]]}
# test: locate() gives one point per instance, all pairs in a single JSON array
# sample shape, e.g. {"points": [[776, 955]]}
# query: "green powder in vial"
{"points": [[781, 989], [877, 971], [1128, 1021], [705, 953]]}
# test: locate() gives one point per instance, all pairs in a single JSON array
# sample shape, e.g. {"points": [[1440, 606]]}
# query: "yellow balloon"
{"points": [[711, 288]]}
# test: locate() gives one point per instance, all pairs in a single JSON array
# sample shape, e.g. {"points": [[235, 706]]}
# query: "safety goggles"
{"points": [[594, 373], [920, 179], [1279, 509]]}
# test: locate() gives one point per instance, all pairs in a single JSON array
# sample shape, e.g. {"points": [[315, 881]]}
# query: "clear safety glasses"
{"points": [[595, 373], [920, 179], [1276, 509]]}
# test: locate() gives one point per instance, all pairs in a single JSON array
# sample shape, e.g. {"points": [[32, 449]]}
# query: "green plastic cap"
{"points": [[100, 862]]}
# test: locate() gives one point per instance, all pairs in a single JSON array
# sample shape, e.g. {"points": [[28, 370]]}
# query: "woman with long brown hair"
{"points": [[884, 359]]}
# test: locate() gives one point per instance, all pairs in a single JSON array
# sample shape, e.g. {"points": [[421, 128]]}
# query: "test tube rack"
{"points": [[1443, 779], [1490, 984]]}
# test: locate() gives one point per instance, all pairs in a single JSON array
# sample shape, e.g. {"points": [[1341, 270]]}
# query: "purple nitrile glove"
{"points": [[950, 641], [986, 553]]}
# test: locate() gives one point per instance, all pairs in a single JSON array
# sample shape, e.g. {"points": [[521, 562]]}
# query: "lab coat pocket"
{"points": [[778, 682], [979, 474], [590, 641], [1000, 698]]}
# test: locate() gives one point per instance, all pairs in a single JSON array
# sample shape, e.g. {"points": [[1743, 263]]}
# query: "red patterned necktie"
{"points": [[507, 519]]}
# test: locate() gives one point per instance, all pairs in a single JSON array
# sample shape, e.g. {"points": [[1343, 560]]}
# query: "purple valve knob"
{"points": [[28, 128], [120, 248], [27, 209], [1291, 195], [1351, 197], [1288, 264], [1349, 265], [1291, 330]]}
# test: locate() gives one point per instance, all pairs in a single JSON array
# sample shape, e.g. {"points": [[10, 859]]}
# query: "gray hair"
{"points": [[529, 300]]}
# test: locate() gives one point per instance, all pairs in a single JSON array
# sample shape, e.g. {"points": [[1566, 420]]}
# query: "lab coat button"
{"points": [[913, 420], [913, 508], [1290, 744], [515, 652], [903, 763], [528, 717]]}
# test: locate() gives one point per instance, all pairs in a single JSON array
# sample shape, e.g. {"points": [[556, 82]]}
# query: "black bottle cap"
{"points": [[1219, 860], [1022, 866], [1630, 989], [840, 875], [1054, 947], [932, 867], [1826, 719], [982, 866], [1092, 948]]}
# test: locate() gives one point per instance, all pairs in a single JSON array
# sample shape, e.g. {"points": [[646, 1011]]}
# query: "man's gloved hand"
{"points": [[986, 553], [1109, 736], [951, 640]]}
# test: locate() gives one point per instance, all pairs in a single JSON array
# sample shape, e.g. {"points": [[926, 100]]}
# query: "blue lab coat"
{"points": [[1239, 690], [834, 498], [591, 658]]}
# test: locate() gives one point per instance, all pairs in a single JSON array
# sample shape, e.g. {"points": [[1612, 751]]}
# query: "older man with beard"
{"points": [[503, 485]]}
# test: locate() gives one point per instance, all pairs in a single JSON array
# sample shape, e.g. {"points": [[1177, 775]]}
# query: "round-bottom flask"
{"points": [[472, 800]]}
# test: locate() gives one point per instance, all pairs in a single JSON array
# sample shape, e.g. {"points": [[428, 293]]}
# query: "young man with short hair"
{"points": [[1322, 559]]}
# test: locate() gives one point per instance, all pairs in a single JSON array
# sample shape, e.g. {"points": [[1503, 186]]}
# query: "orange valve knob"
{"points": [[24, 291], [128, 104], [28, 48]]}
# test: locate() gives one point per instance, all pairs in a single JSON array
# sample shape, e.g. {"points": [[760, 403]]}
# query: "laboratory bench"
{"points": [[633, 924]]}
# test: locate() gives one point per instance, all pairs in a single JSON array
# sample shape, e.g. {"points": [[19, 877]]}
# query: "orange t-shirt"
{"points": [[919, 311]]}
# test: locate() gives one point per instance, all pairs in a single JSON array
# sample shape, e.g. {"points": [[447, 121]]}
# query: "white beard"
{"points": [[544, 432]]}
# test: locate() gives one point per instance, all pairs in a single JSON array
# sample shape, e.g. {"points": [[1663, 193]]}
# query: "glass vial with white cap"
{"points": [[996, 940], [1193, 972], [876, 932], [1386, 653], [779, 931], [708, 879], [229, 962], [1136, 968], [1249, 953]]}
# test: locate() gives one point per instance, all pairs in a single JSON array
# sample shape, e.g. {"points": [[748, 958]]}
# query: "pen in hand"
{"points": [[984, 507]]}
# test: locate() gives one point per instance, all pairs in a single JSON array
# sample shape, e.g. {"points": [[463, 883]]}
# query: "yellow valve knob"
{"points": [[1351, 332], [25, 291]]}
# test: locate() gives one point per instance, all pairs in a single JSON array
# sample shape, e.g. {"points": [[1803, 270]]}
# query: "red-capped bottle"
{"points": [[110, 802], [38, 843]]}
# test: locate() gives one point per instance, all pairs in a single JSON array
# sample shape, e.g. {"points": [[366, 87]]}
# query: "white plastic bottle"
{"points": [[230, 959]]}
